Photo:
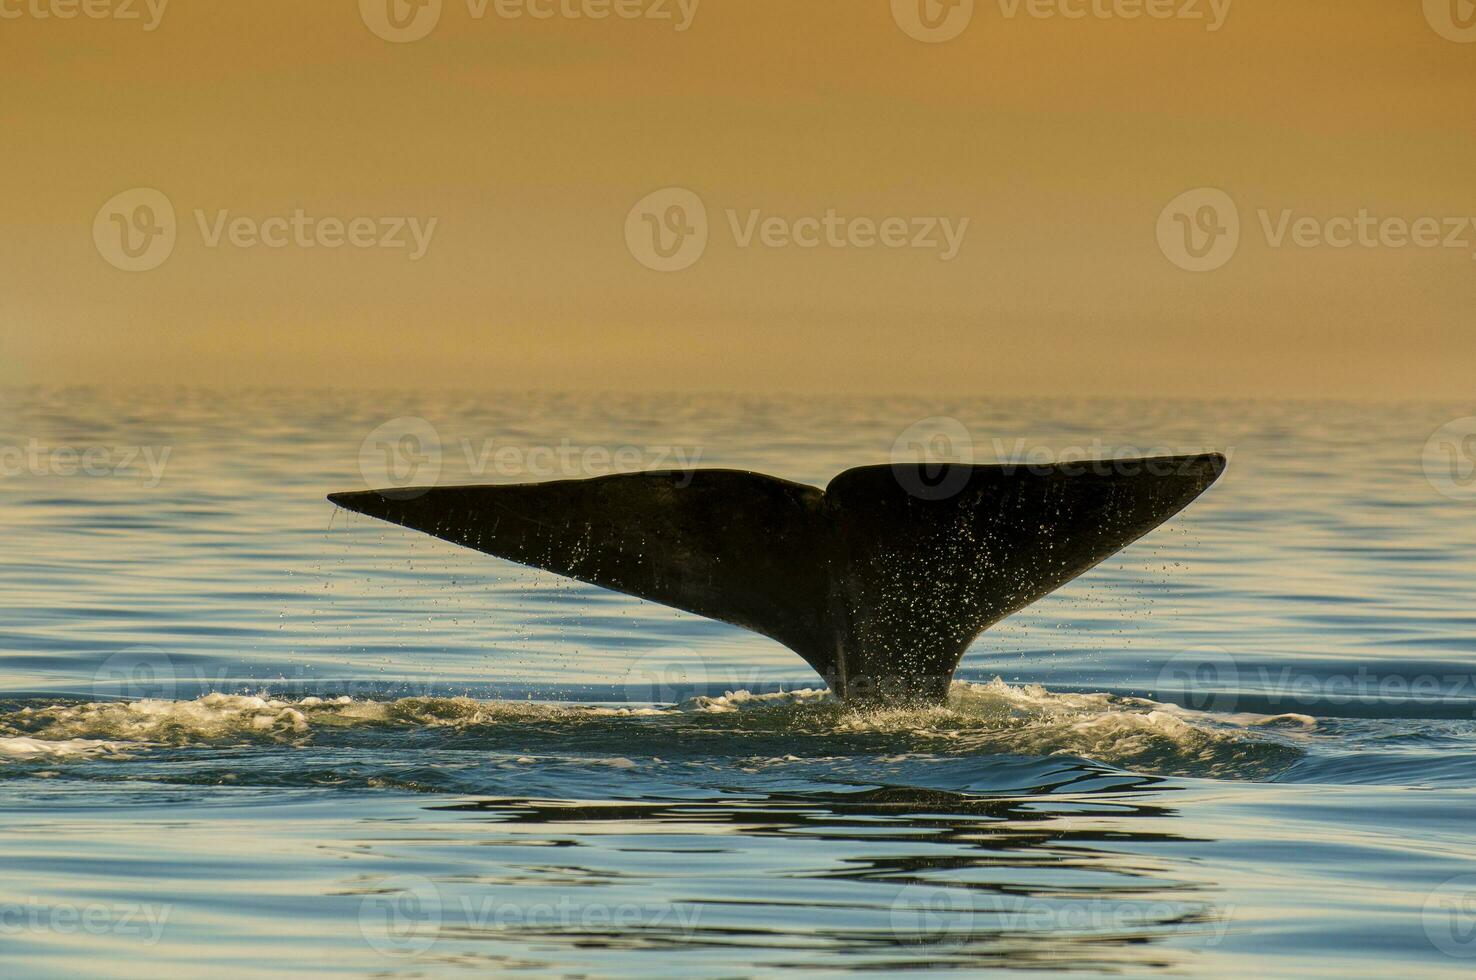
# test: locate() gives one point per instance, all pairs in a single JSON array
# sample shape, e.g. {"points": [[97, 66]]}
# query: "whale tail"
{"points": [[880, 582]]}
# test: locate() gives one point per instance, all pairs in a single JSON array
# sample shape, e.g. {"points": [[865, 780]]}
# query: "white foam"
{"points": [[985, 718], [221, 716], [25, 748], [734, 701]]}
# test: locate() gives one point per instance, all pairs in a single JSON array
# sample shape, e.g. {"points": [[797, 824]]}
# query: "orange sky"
{"points": [[529, 141]]}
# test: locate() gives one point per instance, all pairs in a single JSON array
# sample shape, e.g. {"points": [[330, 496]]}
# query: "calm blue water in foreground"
{"points": [[242, 734]]}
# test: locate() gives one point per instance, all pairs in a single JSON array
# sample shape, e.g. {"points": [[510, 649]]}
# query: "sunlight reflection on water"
{"points": [[1311, 615]]}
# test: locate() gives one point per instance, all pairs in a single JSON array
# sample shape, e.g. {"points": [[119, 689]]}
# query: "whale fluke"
{"points": [[880, 582]]}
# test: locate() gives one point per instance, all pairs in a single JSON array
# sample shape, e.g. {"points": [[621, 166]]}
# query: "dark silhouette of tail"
{"points": [[880, 582]]}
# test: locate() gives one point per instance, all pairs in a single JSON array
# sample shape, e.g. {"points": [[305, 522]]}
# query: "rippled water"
{"points": [[241, 732]]}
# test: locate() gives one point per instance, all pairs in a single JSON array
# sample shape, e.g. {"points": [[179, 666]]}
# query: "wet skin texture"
{"points": [[880, 582]]}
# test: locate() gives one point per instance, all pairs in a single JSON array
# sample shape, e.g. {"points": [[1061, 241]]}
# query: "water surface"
{"points": [[241, 732]]}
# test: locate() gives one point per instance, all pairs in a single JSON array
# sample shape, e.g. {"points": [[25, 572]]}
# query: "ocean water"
{"points": [[241, 733]]}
